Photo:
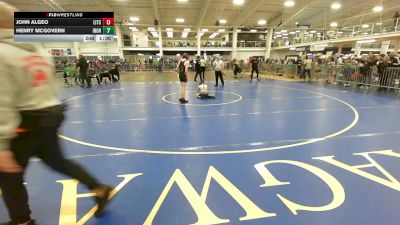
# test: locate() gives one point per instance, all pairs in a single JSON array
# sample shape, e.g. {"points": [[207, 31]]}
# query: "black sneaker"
{"points": [[32, 222], [184, 101], [103, 201], [181, 100]]}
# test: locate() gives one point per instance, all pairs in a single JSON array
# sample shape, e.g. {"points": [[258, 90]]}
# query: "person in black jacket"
{"points": [[83, 71], [254, 61], [198, 70]]}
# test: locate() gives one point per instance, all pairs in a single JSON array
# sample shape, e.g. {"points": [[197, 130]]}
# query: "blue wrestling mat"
{"points": [[267, 153]]}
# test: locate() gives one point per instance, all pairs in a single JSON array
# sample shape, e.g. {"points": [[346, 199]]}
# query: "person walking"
{"points": [[307, 68], [219, 68], [83, 71], [198, 70], [254, 67], [236, 68], [183, 68], [31, 116]]}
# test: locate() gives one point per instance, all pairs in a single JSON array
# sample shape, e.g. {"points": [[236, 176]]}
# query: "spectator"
{"points": [[83, 71]]}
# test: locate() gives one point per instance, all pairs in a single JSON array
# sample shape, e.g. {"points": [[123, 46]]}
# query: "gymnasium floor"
{"points": [[262, 153]]}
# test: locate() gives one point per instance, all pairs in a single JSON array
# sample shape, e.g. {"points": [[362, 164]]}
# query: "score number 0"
{"points": [[108, 21]]}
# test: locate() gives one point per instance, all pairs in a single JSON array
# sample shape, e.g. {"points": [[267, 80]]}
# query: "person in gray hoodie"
{"points": [[31, 115]]}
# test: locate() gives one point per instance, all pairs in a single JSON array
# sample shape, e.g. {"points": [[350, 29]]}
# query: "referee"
{"points": [[219, 68]]}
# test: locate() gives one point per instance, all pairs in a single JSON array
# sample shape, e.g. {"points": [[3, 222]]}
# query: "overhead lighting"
{"points": [[133, 28], [170, 34], [182, 0], [238, 2], [283, 31], [151, 28], [366, 41], [239, 30], [296, 23], [336, 5], [180, 20], [187, 29], [334, 24], [289, 3], [292, 32], [204, 30], [285, 34], [313, 32], [292, 49], [277, 32], [253, 30], [340, 32], [262, 22], [223, 21], [377, 8], [134, 19], [365, 26], [379, 24], [169, 29], [221, 30]]}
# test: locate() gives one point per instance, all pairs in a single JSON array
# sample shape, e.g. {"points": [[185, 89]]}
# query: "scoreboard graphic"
{"points": [[64, 26]]}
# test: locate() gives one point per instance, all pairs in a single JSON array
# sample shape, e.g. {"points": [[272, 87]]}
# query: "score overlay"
{"points": [[64, 26]]}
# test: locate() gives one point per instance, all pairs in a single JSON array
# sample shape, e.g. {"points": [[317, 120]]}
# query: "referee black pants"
{"points": [[44, 144], [203, 73], [219, 74], [84, 77], [252, 72], [198, 73]]}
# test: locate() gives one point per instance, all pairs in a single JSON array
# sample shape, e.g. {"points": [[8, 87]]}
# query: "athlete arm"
{"points": [[7, 120], [187, 65]]}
